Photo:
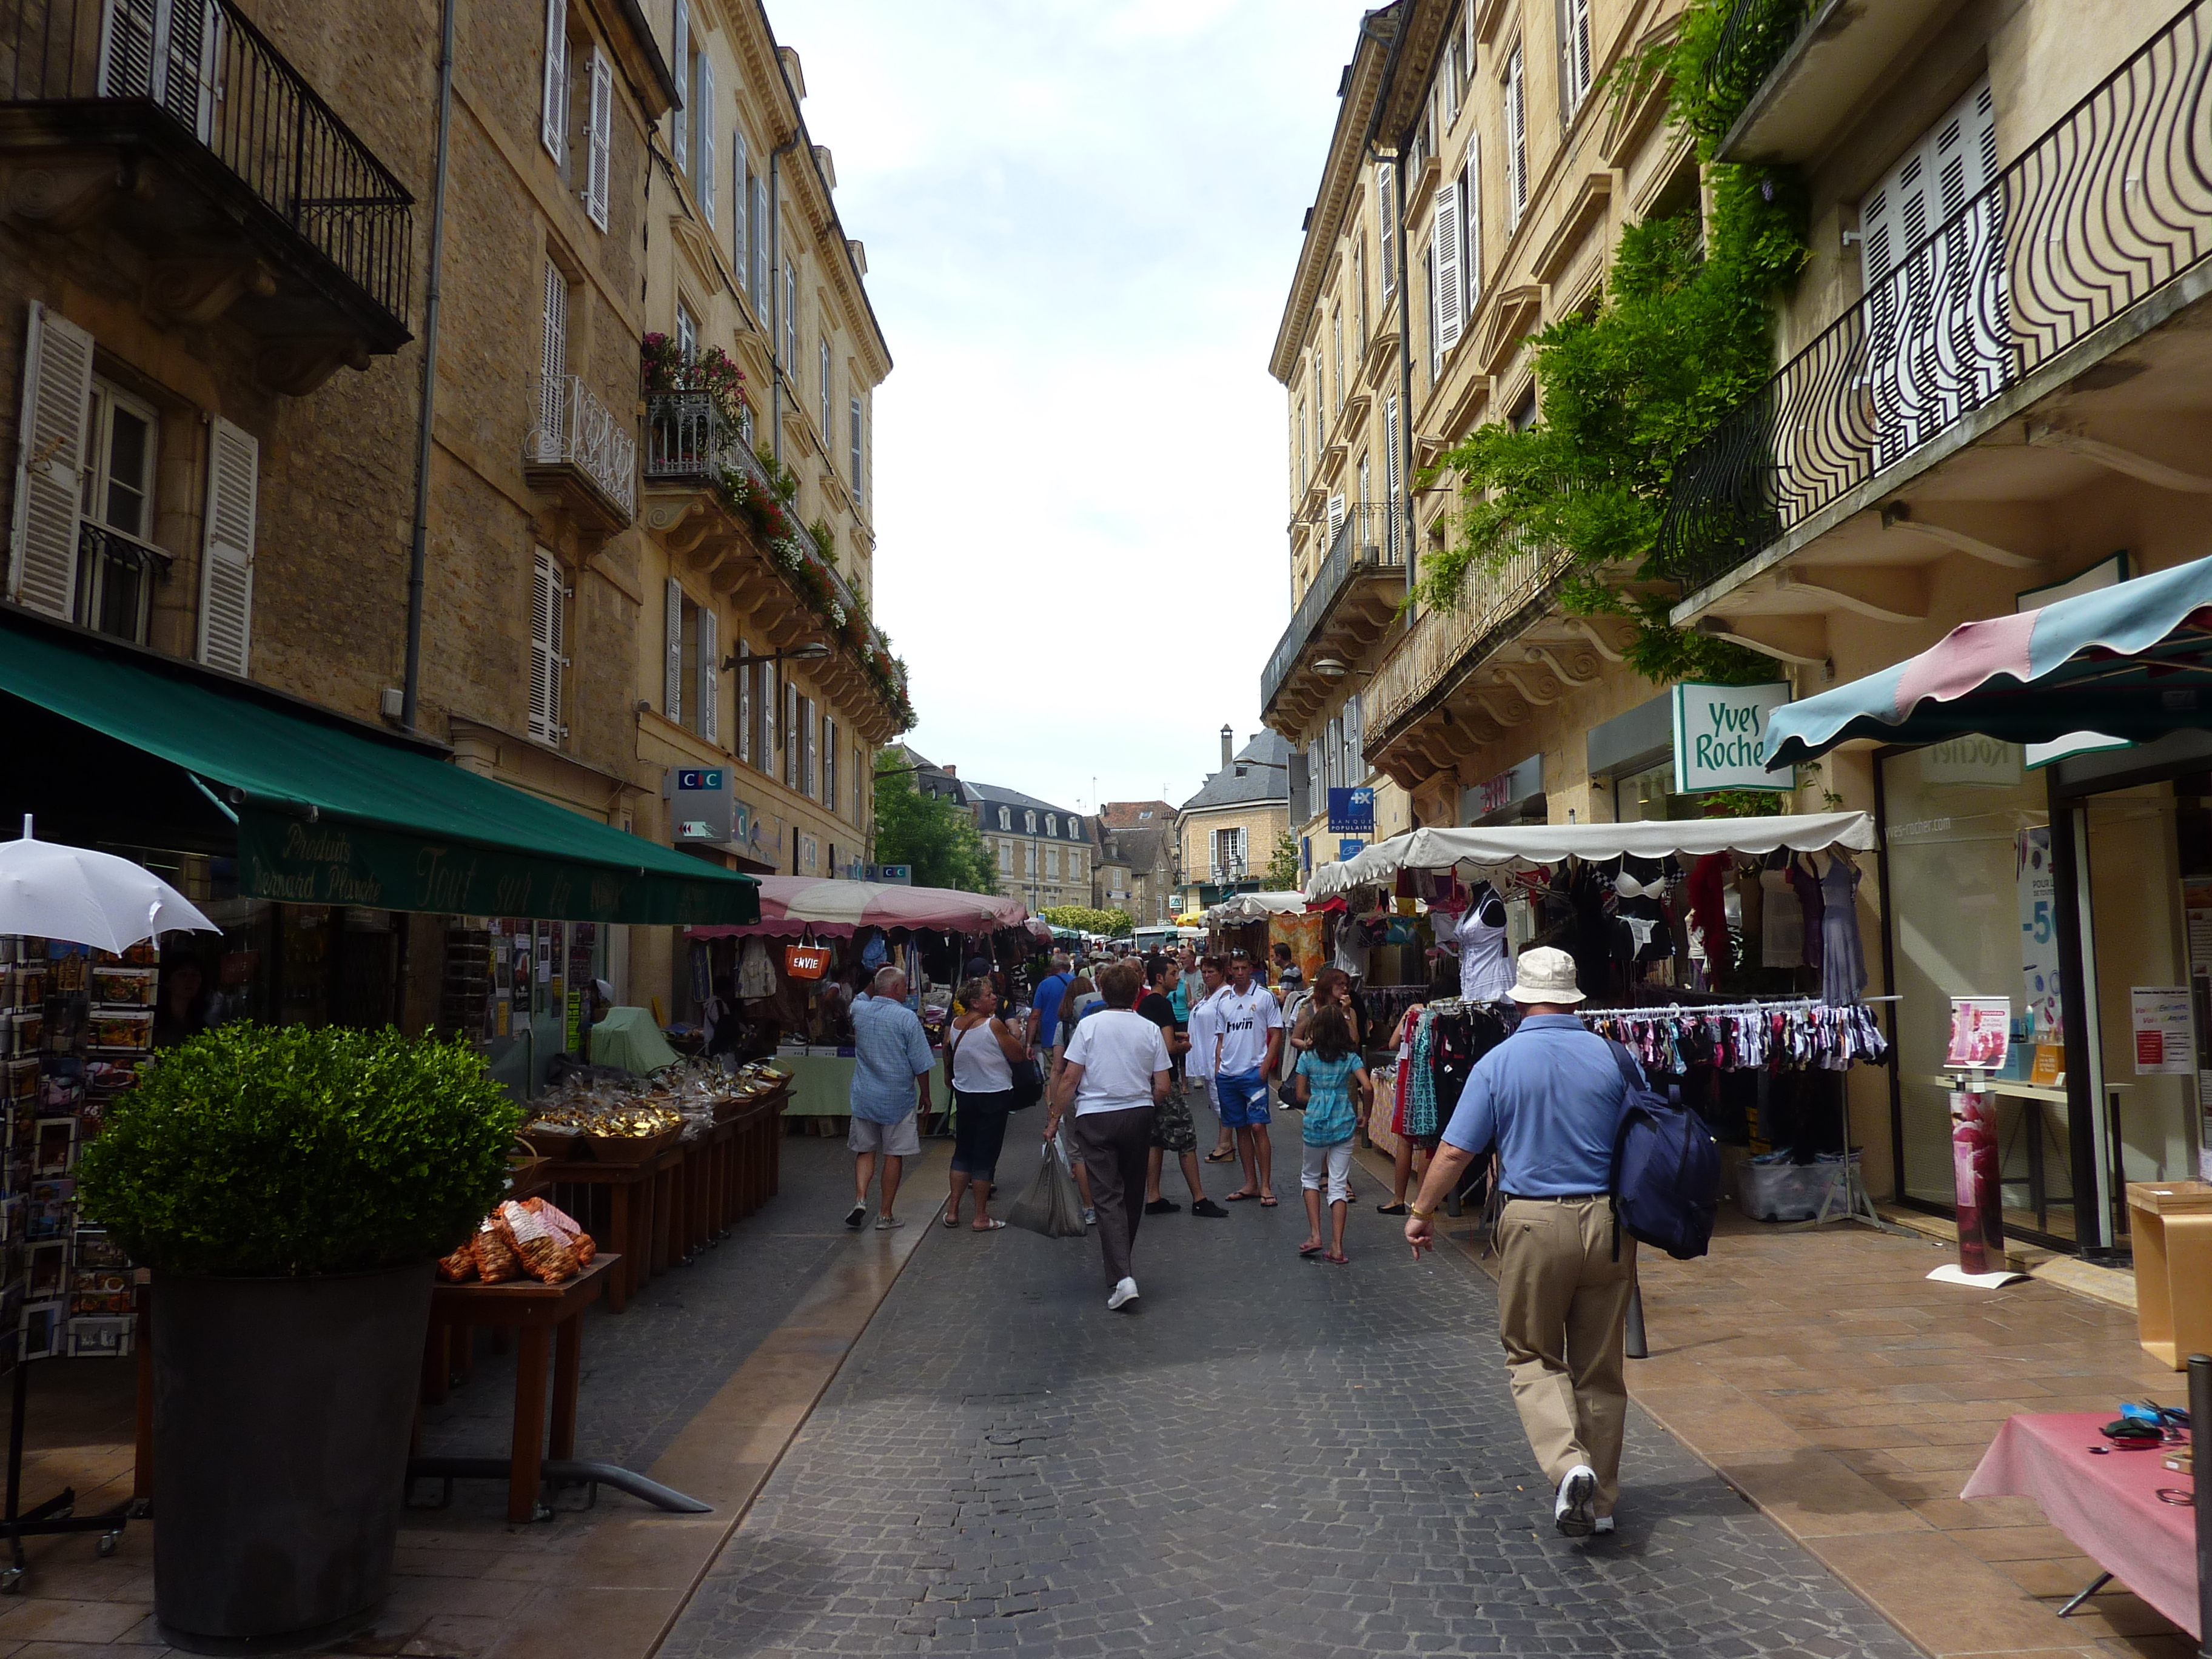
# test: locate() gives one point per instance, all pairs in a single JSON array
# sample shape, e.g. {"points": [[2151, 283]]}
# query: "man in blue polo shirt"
{"points": [[1549, 1100], [892, 1063], [1044, 1006]]}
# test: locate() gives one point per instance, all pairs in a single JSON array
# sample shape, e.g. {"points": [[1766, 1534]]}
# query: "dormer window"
{"points": [[1028, 823], [1006, 819], [1052, 824], [1141, 817]]}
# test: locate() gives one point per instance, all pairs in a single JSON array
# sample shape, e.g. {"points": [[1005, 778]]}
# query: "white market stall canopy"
{"points": [[1255, 907], [1519, 847]]}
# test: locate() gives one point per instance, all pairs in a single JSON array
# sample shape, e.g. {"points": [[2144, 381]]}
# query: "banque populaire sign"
{"points": [[1720, 738]]}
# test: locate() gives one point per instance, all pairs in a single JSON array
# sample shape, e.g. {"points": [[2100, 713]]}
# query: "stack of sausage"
{"points": [[528, 1237]]}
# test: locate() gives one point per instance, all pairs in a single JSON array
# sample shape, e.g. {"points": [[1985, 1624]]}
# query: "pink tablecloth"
{"points": [[2108, 1506]]}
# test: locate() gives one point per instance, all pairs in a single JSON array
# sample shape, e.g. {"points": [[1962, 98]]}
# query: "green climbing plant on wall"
{"points": [[1683, 332]]}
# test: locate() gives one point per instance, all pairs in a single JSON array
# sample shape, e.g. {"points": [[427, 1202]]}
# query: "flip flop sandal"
{"points": [[992, 1224], [1237, 1198], [1309, 1251], [1266, 1200], [951, 1220], [1221, 1157], [1332, 1257]]}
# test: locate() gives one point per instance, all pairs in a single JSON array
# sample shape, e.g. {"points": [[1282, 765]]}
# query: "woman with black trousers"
{"points": [[979, 1055]]}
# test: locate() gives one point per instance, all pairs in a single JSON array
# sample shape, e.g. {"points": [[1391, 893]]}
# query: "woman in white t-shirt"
{"points": [[1115, 1071]]}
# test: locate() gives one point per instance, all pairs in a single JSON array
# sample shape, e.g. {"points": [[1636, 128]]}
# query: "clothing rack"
{"points": [[1694, 1010]]}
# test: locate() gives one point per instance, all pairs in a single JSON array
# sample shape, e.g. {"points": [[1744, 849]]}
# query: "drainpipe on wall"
{"points": [[418, 545]]}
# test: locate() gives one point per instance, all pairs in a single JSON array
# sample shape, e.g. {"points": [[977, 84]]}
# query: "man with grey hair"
{"points": [[1044, 1006], [890, 1073]]}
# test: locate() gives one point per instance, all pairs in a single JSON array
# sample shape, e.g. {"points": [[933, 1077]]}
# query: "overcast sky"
{"points": [[1081, 218]]}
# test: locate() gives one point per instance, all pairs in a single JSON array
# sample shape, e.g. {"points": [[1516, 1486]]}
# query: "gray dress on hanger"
{"points": [[1843, 963]]}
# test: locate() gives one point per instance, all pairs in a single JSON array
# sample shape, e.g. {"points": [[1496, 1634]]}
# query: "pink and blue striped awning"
{"points": [[2131, 661]]}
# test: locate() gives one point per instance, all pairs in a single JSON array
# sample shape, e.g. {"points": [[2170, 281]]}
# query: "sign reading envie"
{"points": [[1720, 738]]}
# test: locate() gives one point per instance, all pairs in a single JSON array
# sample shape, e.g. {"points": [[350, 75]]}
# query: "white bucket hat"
{"points": [[1545, 974]]}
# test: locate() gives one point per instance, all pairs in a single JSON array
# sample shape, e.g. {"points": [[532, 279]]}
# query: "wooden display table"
{"points": [[535, 1311], [2170, 1223]]}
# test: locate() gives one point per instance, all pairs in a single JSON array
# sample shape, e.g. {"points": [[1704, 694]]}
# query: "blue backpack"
{"points": [[1666, 1170]]}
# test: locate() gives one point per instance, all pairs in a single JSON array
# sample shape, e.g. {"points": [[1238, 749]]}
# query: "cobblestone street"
{"points": [[1273, 1456]]}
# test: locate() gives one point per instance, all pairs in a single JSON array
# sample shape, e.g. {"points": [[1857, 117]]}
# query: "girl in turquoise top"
{"points": [[1330, 1077]]}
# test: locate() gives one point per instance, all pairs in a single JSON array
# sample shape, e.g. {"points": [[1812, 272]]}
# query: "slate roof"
{"points": [[1266, 778], [991, 795]]}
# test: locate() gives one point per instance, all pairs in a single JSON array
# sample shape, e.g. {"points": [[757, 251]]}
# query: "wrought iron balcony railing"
{"points": [[575, 428], [201, 68], [1493, 606], [686, 437], [2106, 208], [1370, 539], [1757, 36]]}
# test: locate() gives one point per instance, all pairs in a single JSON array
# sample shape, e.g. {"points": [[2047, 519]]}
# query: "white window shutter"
{"points": [[1335, 518], [794, 739], [227, 561], [1386, 216], [827, 439], [1393, 507], [552, 362], [49, 464], [1451, 301], [710, 676], [703, 173], [858, 455], [600, 164], [1436, 332], [1470, 223], [759, 228], [745, 745], [672, 689], [679, 65], [741, 254], [552, 125], [547, 607]]}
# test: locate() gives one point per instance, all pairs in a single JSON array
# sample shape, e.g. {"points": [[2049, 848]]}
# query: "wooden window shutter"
{"points": [[549, 597], [1451, 301], [793, 738], [745, 749], [859, 494], [1393, 507], [49, 464], [552, 362], [703, 173], [766, 760], [227, 561], [553, 123], [741, 188], [829, 763], [825, 428], [680, 119], [1335, 518], [1470, 221], [806, 747], [760, 286], [600, 164], [710, 676], [1517, 138], [1386, 214], [1436, 332], [672, 687]]}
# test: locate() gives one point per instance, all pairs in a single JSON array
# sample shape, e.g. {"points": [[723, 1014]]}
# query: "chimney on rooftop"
{"points": [[949, 771], [1228, 745]]}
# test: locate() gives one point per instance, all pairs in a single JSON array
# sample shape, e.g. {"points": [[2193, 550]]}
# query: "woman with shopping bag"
{"points": [[980, 1056]]}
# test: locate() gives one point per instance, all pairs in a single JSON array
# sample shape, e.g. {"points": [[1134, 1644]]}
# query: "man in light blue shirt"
{"points": [[891, 1063], [1549, 1100]]}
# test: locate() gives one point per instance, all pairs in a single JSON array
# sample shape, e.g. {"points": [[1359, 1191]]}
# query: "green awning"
{"points": [[331, 811]]}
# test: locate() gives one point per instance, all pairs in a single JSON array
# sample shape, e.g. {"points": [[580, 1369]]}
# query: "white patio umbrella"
{"points": [[92, 898]]}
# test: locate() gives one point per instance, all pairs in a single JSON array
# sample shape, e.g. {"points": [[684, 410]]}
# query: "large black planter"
{"points": [[283, 1409]]}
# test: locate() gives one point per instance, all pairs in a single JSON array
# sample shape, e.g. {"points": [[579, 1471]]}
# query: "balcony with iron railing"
{"points": [[1799, 70], [718, 500], [2079, 246], [1343, 613], [1496, 605], [180, 127], [578, 446]]}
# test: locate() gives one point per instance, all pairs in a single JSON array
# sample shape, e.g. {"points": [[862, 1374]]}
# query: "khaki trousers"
{"points": [[1562, 1313]]}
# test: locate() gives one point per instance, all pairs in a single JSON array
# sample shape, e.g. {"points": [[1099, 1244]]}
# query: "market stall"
{"points": [[793, 973], [1724, 952]]}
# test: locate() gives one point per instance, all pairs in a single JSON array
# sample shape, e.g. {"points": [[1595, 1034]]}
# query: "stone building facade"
{"points": [[1226, 833]]}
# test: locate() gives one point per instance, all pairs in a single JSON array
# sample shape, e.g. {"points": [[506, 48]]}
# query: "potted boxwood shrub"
{"points": [[292, 1190]]}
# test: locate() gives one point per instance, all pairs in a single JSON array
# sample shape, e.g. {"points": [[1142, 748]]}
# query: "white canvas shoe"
{"points": [[1124, 1291], [1570, 1511]]}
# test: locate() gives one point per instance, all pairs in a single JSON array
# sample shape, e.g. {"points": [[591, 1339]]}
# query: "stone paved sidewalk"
{"points": [[1273, 1457]]}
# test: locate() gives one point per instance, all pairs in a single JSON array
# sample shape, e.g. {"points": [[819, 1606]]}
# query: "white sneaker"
{"points": [[1602, 1525], [1090, 1219], [1570, 1512], [1124, 1291]]}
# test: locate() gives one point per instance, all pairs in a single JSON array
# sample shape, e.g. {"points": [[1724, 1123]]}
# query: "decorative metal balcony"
{"points": [[196, 88], [1370, 541], [1494, 606], [2109, 206], [686, 437], [1757, 36], [575, 430]]}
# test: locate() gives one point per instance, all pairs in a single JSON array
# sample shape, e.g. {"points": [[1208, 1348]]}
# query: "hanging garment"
{"points": [[1751, 912], [1421, 1120], [1806, 886], [874, 954], [755, 972], [1485, 970], [1842, 964], [1782, 921], [1709, 910]]}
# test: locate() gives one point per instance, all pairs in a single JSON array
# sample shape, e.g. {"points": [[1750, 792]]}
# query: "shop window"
{"points": [[1649, 795]]}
